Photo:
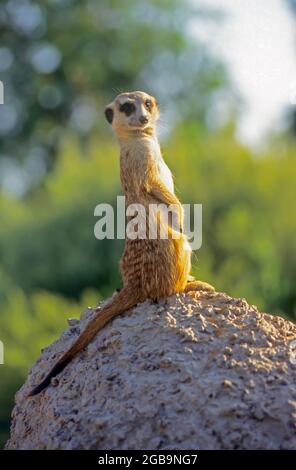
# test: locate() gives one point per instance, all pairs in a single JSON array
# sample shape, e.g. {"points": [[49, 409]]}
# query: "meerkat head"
{"points": [[133, 113]]}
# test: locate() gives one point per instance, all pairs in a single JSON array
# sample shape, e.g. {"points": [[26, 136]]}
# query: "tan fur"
{"points": [[149, 268]]}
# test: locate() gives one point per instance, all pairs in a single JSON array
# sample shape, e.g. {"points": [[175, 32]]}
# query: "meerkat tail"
{"points": [[122, 301]]}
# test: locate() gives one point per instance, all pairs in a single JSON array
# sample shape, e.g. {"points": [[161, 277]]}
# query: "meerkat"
{"points": [[150, 268]]}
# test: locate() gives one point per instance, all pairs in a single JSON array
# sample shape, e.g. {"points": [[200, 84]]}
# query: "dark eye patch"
{"points": [[127, 108]]}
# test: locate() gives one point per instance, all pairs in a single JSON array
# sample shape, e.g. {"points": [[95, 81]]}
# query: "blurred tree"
{"points": [[61, 60]]}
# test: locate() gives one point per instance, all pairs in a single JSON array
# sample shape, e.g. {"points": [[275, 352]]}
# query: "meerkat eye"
{"points": [[127, 108], [148, 104]]}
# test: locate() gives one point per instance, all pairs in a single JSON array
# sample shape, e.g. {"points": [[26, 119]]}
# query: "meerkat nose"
{"points": [[143, 119]]}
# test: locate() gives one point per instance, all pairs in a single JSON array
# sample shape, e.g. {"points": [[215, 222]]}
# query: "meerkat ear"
{"points": [[109, 113]]}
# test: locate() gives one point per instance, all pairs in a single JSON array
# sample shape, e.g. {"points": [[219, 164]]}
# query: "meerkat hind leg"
{"points": [[198, 285]]}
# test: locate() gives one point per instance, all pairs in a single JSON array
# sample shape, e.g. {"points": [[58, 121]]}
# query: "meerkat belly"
{"points": [[166, 176], [167, 179], [156, 267], [164, 173]]}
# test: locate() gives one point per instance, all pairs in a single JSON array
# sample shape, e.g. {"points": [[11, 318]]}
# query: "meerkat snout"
{"points": [[143, 119]]}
